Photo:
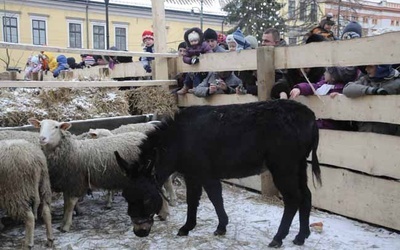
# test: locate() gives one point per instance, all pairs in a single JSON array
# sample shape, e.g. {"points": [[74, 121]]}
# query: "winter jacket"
{"points": [[359, 88], [147, 60], [195, 50], [231, 81], [62, 65]]}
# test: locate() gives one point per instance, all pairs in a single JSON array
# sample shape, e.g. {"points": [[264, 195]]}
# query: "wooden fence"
{"points": [[360, 171]]}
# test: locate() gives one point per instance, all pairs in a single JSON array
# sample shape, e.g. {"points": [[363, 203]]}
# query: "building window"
{"points": [[120, 38], [10, 29], [303, 11], [354, 18], [392, 22], [397, 23], [292, 40], [39, 32], [374, 21], [313, 12], [99, 37], [75, 35], [292, 9], [365, 19]]}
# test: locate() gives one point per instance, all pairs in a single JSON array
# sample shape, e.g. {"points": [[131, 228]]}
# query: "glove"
{"points": [[376, 91], [147, 68], [195, 60]]}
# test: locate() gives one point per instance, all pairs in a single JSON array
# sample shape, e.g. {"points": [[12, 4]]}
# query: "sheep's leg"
{"points": [[46, 214], [289, 188], [193, 194], [29, 229], [69, 204], [170, 192], [213, 189], [110, 198], [304, 209]]}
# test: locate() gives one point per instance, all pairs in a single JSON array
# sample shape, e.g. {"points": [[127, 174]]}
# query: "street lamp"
{"points": [[107, 27], [201, 13]]}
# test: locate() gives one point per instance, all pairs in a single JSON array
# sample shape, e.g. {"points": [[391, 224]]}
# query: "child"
{"points": [[33, 65], [379, 80], [332, 83], [195, 46], [148, 40], [62, 65], [236, 41]]}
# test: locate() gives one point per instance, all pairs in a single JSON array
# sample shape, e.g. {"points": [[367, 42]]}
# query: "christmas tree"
{"points": [[254, 16]]}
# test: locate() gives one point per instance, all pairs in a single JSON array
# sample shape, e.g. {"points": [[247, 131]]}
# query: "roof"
{"points": [[212, 7]]}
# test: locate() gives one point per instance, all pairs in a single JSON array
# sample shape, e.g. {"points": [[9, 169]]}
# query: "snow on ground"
{"points": [[253, 222]]}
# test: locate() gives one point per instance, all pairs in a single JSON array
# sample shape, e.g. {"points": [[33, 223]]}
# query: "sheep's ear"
{"points": [[129, 170], [35, 122], [65, 125]]}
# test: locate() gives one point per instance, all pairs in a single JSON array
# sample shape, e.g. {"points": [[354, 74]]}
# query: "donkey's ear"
{"points": [[130, 170]]}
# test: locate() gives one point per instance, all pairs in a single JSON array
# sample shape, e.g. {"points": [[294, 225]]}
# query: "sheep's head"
{"points": [[50, 131], [143, 196]]}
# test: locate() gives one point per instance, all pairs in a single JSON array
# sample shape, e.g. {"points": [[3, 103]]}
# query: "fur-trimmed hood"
{"points": [[198, 30]]}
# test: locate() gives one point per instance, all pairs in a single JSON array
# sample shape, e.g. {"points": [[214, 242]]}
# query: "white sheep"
{"points": [[77, 165], [24, 185], [168, 188]]}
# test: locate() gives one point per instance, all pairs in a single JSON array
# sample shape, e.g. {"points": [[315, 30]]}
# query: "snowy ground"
{"points": [[253, 222]]}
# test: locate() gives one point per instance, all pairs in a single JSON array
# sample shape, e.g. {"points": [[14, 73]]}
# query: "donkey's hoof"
{"points": [[183, 232], [275, 244], [219, 232]]}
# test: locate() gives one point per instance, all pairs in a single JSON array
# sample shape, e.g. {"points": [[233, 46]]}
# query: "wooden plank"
{"points": [[370, 153], [214, 100], [367, 108], [363, 51], [367, 198], [229, 61], [160, 35], [84, 84], [30, 47]]}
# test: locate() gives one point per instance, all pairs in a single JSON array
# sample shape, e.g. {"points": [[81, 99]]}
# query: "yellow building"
{"points": [[82, 24]]}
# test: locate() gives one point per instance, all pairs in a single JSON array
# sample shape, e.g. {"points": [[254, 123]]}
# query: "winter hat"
{"points": [[239, 39], [210, 34], [252, 40], [343, 74], [182, 45], [383, 71], [193, 36], [221, 38], [147, 34], [327, 20], [352, 30]]}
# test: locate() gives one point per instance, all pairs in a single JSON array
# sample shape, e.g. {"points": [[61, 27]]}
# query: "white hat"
{"points": [[193, 36]]}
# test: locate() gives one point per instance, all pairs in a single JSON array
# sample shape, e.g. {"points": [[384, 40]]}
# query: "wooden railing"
{"points": [[360, 171]]}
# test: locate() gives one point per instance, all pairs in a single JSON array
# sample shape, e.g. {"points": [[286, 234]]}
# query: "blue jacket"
{"points": [[61, 65]]}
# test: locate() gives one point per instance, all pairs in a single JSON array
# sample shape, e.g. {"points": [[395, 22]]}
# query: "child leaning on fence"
{"points": [[331, 84], [148, 40], [195, 47], [379, 80], [223, 82]]}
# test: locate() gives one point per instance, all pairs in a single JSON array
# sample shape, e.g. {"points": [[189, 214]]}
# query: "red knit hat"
{"points": [[147, 34]]}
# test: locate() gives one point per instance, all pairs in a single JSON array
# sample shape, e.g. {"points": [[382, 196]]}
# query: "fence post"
{"points": [[265, 81], [160, 66]]}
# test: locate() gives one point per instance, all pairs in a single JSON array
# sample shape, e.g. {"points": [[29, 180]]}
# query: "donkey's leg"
{"points": [[304, 208], [193, 194], [213, 188], [288, 187]]}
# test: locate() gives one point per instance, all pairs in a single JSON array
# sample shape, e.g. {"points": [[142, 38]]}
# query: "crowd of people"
{"points": [[333, 81]]}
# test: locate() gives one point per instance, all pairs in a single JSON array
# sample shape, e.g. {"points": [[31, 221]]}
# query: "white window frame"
{"points": [[125, 26], [18, 25], [39, 18], [80, 22], [92, 24]]}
